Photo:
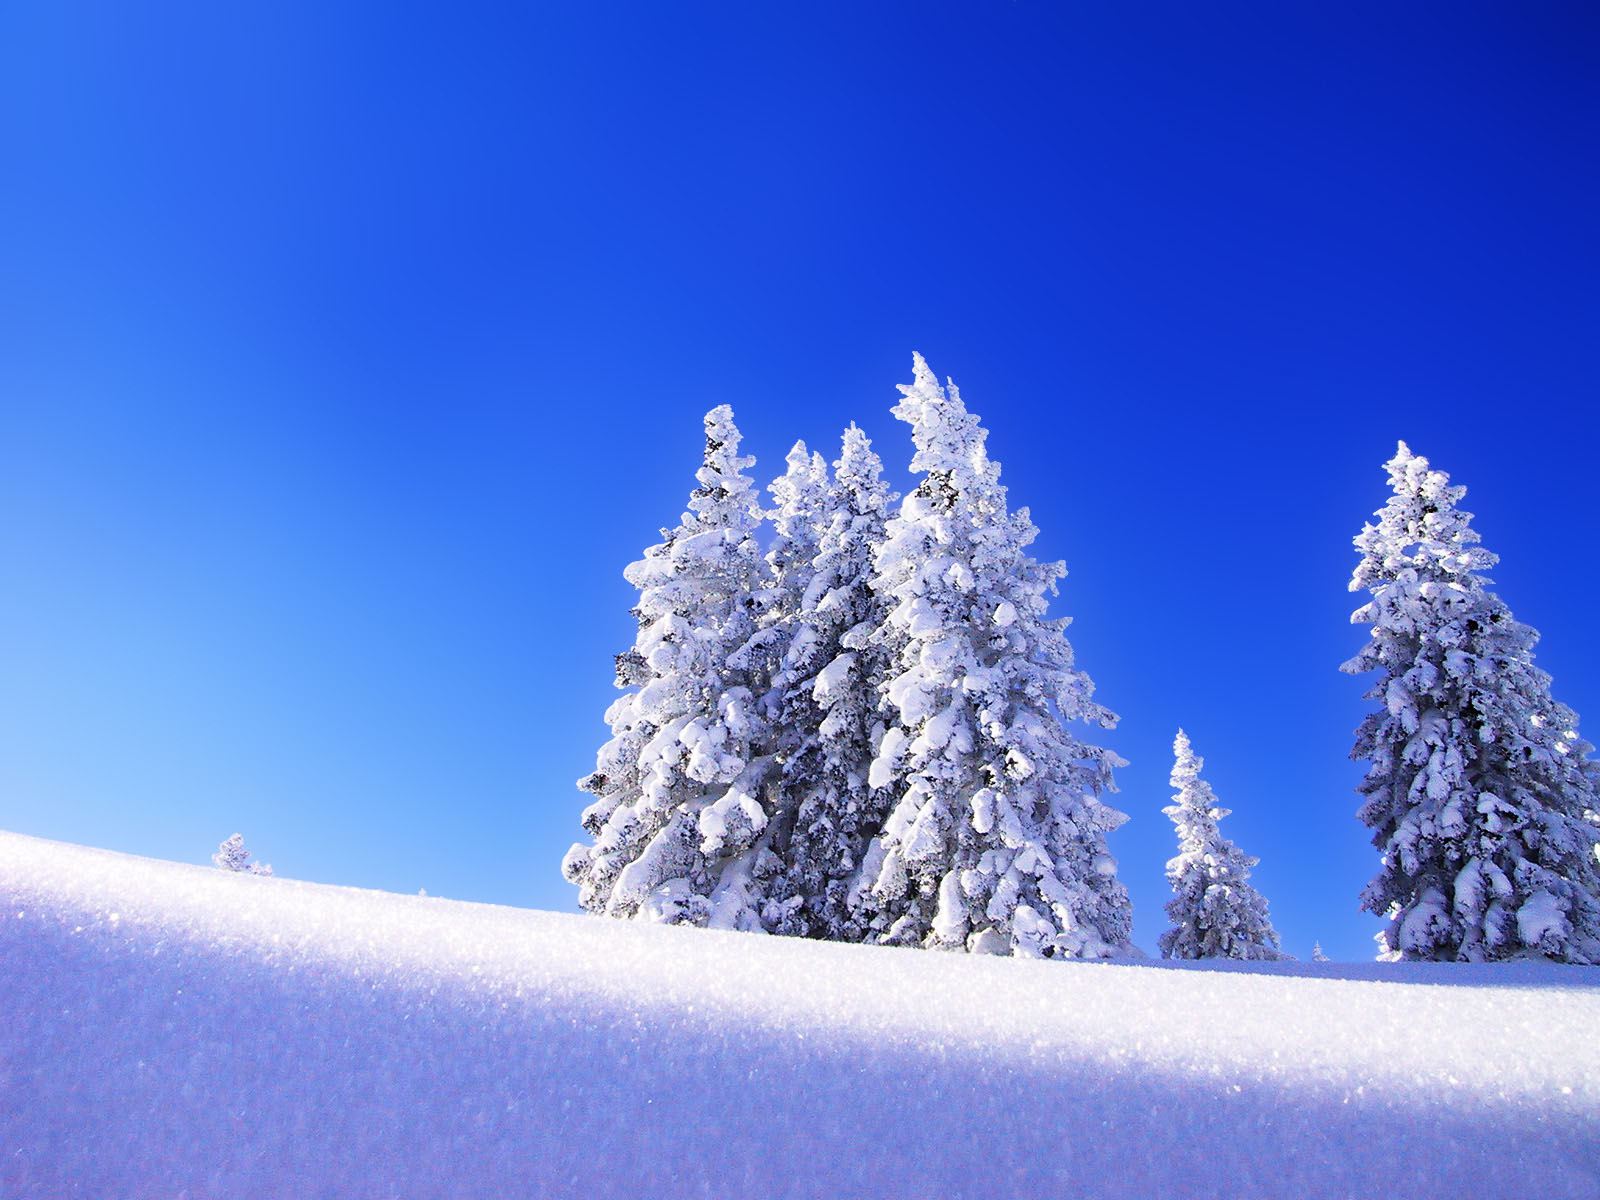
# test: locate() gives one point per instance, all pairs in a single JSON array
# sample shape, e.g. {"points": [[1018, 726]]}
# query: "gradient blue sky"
{"points": [[348, 353]]}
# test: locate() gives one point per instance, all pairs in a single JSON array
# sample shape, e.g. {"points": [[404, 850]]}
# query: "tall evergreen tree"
{"points": [[1215, 911], [798, 497], [681, 809], [831, 681], [1478, 783], [996, 838]]}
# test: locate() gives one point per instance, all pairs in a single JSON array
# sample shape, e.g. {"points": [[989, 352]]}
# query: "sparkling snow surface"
{"points": [[175, 1031]]}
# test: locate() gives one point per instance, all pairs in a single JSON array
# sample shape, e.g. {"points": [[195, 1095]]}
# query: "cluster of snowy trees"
{"points": [[853, 719], [862, 731]]}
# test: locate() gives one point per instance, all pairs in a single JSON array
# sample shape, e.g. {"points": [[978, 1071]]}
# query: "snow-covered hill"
{"points": [[173, 1031]]}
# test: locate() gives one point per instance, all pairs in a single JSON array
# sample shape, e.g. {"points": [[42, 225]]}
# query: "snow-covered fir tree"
{"points": [[996, 838], [831, 685], [1316, 953], [1478, 782], [232, 856], [1215, 911], [798, 497], [681, 816]]}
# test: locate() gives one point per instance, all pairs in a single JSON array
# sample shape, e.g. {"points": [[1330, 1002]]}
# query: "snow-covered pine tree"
{"points": [[831, 682], [798, 497], [680, 818], [1215, 912], [232, 856], [996, 839], [1478, 782], [1316, 953]]}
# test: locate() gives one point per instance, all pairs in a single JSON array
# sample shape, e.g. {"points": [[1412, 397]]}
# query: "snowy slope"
{"points": [[176, 1031]]}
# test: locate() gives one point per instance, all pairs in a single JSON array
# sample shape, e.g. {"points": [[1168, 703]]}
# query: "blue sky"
{"points": [[348, 353]]}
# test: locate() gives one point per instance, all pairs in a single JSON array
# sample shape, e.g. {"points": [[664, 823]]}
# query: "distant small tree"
{"points": [[232, 856], [1316, 953], [1215, 912]]}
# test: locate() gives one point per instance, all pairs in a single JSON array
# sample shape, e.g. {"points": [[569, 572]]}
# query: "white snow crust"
{"points": [[175, 1031]]}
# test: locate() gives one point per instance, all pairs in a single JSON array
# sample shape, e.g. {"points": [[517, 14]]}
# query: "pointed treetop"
{"points": [[722, 456], [1410, 473], [719, 424], [725, 496], [1195, 802], [1402, 460], [949, 439], [856, 455], [802, 466], [1419, 529], [798, 491], [1187, 764], [858, 467]]}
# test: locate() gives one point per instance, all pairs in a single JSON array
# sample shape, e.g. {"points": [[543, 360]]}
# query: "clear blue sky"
{"points": [[348, 353]]}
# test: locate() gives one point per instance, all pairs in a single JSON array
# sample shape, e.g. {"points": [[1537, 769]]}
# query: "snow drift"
{"points": [[175, 1031]]}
